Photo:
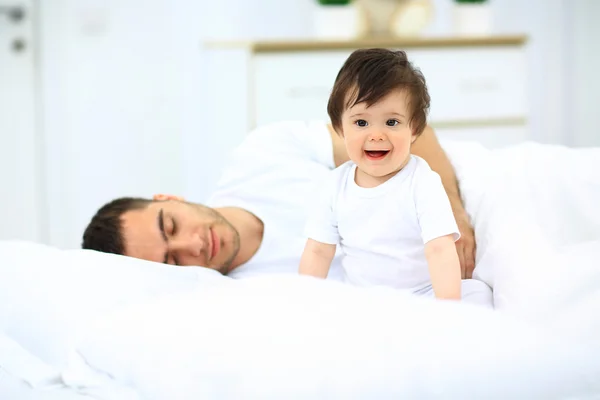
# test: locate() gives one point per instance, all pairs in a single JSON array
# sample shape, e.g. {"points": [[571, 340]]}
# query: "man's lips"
{"points": [[215, 244]]}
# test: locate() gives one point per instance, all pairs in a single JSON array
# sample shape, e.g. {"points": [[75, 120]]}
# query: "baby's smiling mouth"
{"points": [[376, 154]]}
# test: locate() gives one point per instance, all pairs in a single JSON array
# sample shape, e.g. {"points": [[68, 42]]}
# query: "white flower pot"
{"points": [[378, 14], [336, 22], [472, 19]]}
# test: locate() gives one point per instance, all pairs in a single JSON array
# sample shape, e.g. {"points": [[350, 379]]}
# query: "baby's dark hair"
{"points": [[369, 75]]}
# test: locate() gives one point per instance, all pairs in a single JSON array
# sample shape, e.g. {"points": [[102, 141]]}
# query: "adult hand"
{"points": [[465, 246]]}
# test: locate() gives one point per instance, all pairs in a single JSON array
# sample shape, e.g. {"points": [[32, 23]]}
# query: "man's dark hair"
{"points": [[369, 75], [104, 232]]}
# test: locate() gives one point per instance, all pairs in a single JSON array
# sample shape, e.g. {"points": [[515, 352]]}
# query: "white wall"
{"points": [[20, 144], [115, 77], [583, 65], [243, 19], [127, 108]]}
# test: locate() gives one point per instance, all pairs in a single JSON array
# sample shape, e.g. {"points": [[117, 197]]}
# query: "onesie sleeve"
{"points": [[321, 225], [434, 211]]}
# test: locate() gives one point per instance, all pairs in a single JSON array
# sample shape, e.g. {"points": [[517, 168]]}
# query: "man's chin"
{"points": [[223, 269]]}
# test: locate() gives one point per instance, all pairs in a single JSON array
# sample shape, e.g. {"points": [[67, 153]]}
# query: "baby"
{"points": [[386, 208]]}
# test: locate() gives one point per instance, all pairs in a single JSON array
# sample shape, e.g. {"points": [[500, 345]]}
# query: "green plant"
{"points": [[471, 1], [334, 2]]}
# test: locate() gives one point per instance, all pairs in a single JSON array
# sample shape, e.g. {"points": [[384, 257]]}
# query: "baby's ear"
{"points": [[338, 131], [164, 197]]}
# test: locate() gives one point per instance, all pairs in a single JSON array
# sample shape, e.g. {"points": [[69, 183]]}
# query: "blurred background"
{"points": [[107, 98]]}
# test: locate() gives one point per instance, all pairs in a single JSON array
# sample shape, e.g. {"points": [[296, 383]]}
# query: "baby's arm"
{"points": [[321, 229], [439, 233], [316, 258], [444, 267]]}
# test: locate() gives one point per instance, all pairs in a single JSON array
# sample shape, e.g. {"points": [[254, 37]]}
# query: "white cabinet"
{"points": [[477, 85]]}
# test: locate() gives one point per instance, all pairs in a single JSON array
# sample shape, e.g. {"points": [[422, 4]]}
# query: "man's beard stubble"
{"points": [[224, 268]]}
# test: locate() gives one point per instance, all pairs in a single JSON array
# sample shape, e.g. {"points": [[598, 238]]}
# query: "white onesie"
{"points": [[382, 231]]}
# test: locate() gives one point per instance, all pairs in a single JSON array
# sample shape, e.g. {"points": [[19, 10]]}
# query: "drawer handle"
{"points": [[314, 92], [479, 85]]}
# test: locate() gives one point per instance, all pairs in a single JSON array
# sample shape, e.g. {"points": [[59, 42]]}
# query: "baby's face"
{"points": [[378, 138]]}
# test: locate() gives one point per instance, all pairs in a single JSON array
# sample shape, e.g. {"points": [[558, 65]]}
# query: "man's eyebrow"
{"points": [[161, 227]]}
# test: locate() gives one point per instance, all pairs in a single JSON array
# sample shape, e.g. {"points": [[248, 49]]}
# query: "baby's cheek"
{"points": [[406, 144], [355, 156], [354, 148]]}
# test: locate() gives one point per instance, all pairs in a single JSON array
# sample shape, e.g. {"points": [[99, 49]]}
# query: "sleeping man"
{"points": [[254, 222]]}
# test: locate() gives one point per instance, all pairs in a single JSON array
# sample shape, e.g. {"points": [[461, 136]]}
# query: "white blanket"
{"points": [[538, 233], [536, 213], [25, 377], [304, 338]]}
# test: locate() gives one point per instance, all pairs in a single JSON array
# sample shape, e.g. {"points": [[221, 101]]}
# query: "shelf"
{"points": [[270, 46]]}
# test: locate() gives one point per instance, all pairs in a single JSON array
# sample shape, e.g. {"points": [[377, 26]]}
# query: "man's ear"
{"points": [[164, 197]]}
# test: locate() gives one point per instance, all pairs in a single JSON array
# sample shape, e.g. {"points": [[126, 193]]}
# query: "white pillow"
{"points": [[46, 293], [476, 172], [557, 187], [559, 289], [532, 206], [297, 337], [577, 311]]}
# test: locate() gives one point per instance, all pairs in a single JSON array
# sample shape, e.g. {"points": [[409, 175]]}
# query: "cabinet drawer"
{"points": [[464, 84], [291, 86]]}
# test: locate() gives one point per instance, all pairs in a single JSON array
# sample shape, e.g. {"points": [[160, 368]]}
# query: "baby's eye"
{"points": [[361, 123], [392, 122]]}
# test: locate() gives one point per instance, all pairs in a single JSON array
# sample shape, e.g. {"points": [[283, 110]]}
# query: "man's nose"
{"points": [[192, 245]]}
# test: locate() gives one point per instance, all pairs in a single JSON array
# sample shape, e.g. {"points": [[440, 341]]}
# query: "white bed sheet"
{"points": [[537, 221], [47, 293], [553, 188], [534, 208], [12, 388], [302, 338], [26, 377]]}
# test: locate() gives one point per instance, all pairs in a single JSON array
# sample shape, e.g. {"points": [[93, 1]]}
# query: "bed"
{"points": [[24, 376], [76, 323]]}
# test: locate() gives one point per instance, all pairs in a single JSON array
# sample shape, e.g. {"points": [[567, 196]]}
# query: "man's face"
{"points": [[180, 233]]}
